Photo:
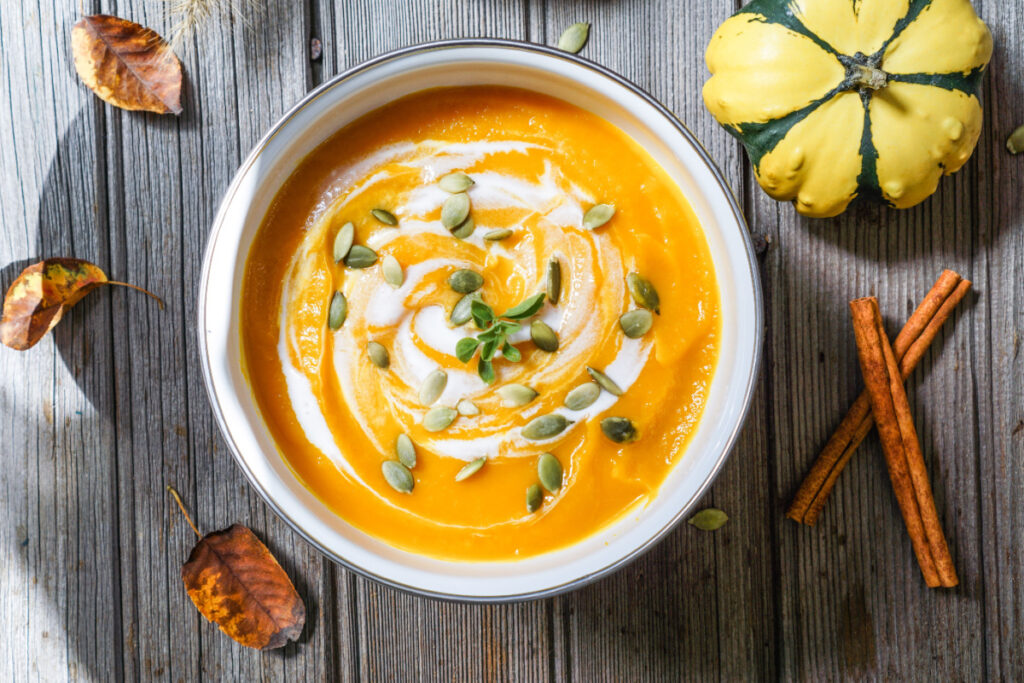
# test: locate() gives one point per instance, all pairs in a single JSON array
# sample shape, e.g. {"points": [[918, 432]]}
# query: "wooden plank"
{"points": [[698, 603], [241, 78], [995, 350], [235, 106], [853, 603], [58, 474], [425, 639]]}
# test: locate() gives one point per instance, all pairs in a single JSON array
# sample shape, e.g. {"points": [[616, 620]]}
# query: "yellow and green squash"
{"points": [[835, 99]]}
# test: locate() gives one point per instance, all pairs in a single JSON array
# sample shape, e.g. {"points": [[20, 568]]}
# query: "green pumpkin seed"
{"points": [[465, 281], [1015, 143], [466, 229], [549, 471], [385, 217], [405, 449], [636, 323], [619, 429], [554, 277], [515, 395], [709, 519], [379, 355], [470, 469], [582, 396], [360, 257], [398, 475], [643, 292], [543, 336], [534, 497], [598, 215], [605, 381], [462, 312], [338, 311], [343, 241], [497, 235], [467, 408], [439, 418], [455, 210], [456, 182], [392, 271], [574, 38], [545, 427], [433, 386]]}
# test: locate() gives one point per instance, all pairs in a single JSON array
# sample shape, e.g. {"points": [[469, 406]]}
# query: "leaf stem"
{"points": [[181, 506], [138, 289]]}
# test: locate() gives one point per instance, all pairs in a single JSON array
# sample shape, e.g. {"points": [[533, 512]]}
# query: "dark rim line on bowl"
{"points": [[730, 441]]}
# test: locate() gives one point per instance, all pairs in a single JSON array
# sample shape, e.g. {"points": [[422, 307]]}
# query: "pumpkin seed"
{"points": [[338, 311], [619, 429], [470, 469], [545, 427], [598, 215], [549, 471], [515, 395], [398, 475], [497, 235], [605, 381], [455, 210], [456, 182], [466, 229], [462, 312], [433, 386], [574, 38], [543, 336], [378, 354], [385, 217], [554, 280], [467, 408], [1015, 143], [439, 418], [582, 396], [360, 257], [343, 241], [405, 449], [392, 271], [636, 323], [709, 519], [465, 281], [534, 497], [643, 292]]}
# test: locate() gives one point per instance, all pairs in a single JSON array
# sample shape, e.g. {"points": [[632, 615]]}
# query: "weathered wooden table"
{"points": [[98, 418]]}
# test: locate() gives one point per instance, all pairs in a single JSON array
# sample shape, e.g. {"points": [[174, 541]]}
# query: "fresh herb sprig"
{"points": [[496, 331]]}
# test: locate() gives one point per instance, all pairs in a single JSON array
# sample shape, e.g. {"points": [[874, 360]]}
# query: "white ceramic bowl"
{"points": [[470, 62]]}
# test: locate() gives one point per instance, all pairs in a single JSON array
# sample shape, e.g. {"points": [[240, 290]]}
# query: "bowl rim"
{"points": [[502, 43]]}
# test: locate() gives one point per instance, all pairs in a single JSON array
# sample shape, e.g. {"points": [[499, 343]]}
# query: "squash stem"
{"points": [[862, 76]]}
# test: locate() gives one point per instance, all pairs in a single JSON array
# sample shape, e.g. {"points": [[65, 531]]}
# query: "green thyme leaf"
{"points": [[465, 348], [489, 348], [511, 353], [526, 308], [486, 371], [483, 315]]}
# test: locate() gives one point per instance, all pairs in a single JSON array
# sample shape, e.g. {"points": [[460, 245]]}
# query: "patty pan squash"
{"points": [[835, 99]]}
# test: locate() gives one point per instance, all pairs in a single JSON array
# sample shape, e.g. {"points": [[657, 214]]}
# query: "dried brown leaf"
{"points": [[235, 582], [126, 64], [38, 298]]}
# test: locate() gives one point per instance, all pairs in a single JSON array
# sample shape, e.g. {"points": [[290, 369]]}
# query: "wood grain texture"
{"points": [[99, 417]]}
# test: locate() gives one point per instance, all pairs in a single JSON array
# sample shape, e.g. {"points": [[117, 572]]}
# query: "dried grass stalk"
{"points": [[190, 15]]}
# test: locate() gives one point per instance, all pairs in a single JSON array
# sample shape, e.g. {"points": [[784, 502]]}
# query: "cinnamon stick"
{"points": [[909, 347], [900, 444]]}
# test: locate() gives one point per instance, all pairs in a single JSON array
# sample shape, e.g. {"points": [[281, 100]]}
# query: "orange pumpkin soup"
{"points": [[494, 192]]}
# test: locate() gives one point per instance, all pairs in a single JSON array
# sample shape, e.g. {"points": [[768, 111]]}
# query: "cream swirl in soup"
{"points": [[537, 166]]}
